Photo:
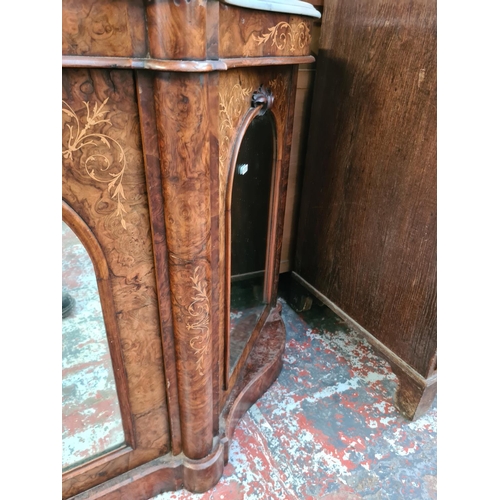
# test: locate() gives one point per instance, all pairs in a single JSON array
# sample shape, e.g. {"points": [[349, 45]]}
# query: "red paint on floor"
{"points": [[327, 429]]}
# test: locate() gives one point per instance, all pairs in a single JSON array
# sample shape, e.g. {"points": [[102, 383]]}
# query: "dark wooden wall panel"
{"points": [[367, 230]]}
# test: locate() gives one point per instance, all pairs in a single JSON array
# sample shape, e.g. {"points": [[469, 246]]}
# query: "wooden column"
{"points": [[184, 141], [152, 166]]}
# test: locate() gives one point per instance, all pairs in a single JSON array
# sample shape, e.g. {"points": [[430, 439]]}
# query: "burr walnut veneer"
{"points": [[157, 97]]}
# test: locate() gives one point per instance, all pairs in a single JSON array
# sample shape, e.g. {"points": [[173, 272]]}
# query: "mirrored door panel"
{"points": [[251, 196], [92, 423]]}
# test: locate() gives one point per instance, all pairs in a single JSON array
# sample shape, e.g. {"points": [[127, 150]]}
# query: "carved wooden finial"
{"points": [[262, 97]]}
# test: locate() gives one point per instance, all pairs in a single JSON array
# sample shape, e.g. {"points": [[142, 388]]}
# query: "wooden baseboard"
{"points": [[415, 393]]}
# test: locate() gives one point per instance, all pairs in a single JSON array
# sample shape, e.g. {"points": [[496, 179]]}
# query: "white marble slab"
{"points": [[285, 6]]}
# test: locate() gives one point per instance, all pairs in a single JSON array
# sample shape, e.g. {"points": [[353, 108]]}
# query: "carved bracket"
{"points": [[262, 97]]}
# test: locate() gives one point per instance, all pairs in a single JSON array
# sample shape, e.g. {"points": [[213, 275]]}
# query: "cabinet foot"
{"points": [[414, 396]]}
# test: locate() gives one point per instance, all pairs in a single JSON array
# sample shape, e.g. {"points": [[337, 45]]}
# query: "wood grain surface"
{"points": [[184, 143], [367, 230], [181, 30], [145, 93], [105, 28], [177, 29], [115, 209], [284, 85], [205, 66], [413, 397], [302, 113], [254, 33], [217, 285]]}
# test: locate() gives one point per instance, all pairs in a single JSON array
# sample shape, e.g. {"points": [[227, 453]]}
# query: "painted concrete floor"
{"points": [[327, 428]]}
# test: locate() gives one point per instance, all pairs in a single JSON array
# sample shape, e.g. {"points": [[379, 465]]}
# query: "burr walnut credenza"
{"points": [[176, 130]]}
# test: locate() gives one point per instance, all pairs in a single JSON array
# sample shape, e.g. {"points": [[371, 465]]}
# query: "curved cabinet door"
{"points": [[91, 417], [105, 203], [250, 225], [255, 152]]}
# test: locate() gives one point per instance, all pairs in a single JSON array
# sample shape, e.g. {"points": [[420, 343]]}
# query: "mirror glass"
{"points": [[251, 198], [91, 418]]}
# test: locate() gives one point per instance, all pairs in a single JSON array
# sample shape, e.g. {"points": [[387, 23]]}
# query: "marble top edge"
{"points": [[284, 6]]}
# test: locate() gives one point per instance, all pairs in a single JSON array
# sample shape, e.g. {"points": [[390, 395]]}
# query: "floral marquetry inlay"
{"points": [[286, 36], [198, 310], [105, 159], [232, 105]]}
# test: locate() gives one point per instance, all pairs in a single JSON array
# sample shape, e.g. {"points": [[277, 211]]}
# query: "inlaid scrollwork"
{"points": [[232, 104], [286, 36], [107, 153], [198, 309]]}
